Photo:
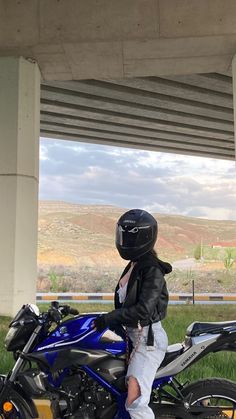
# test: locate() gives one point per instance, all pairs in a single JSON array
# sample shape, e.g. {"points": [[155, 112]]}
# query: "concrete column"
{"points": [[19, 161], [234, 97]]}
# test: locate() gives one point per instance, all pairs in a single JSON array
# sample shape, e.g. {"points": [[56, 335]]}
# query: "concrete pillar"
{"points": [[234, 97], [19, 161]]}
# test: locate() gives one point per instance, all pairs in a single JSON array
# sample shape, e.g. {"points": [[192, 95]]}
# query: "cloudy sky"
{"points": [[158, 182]]}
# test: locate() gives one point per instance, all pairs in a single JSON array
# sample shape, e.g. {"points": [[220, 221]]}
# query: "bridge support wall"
{"points": [[234, 97], [19, 158]]}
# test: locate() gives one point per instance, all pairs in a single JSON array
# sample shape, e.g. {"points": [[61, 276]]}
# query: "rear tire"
{"points": [[214, 392], [209, 392]]}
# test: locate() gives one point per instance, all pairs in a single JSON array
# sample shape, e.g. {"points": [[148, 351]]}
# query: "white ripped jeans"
{"points": [[143, 367]]}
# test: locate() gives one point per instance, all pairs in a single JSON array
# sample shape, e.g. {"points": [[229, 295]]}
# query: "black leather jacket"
{"points": [[147, 296]]}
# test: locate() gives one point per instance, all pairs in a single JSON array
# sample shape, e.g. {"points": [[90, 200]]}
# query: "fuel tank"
{"points": [[77, 333]]}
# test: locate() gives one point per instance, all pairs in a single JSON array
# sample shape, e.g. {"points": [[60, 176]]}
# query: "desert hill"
{"points": [[76, 250], [73, 234]]}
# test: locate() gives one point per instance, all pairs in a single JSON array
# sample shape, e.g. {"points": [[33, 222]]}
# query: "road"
{"points": [[189, 263]]}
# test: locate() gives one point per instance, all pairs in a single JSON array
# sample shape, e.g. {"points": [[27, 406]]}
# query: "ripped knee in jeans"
{"points": [[134, 391]]}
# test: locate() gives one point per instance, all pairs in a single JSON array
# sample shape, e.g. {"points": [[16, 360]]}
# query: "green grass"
{"points": [[6, 359], [179, 317], [218, 253], [221, 364]]}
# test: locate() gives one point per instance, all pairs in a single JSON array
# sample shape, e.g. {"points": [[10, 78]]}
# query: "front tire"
{"points": [[18, 413]]}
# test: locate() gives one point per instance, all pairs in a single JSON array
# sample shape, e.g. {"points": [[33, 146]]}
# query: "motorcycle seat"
{"points": [[198, 328], [176, 347]]}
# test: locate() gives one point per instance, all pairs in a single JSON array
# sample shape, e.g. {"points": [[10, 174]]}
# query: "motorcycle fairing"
{"points": [[77, 333], [62, 358], [190, 355]]}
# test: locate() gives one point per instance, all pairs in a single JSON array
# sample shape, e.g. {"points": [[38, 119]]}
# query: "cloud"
{"points": [[158, 182]]}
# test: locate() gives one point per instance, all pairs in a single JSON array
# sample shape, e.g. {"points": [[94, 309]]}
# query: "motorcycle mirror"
{"points": [[55, 304]]}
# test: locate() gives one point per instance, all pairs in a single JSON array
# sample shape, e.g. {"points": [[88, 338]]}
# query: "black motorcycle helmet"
{"points": [[136, 234]]}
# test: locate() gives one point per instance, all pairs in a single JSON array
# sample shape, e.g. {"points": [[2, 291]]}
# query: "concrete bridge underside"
{"points": [[150, 74], [188, 114]]}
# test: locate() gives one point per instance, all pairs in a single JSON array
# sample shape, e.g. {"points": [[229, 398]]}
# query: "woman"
{"points": [[141, 299]]}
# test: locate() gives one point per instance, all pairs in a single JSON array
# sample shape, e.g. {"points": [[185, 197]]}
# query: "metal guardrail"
{"points": [[108, 297]]}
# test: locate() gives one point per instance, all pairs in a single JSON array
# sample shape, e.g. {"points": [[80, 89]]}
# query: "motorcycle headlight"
{"points": [[34, 309]]}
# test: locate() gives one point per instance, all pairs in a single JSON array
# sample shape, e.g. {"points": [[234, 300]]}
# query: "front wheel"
{"points": [[17, 413]]}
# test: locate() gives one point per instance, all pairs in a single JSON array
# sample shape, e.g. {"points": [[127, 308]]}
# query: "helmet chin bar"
{"points": [[134, 253]]}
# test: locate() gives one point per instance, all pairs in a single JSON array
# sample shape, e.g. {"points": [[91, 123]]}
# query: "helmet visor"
{"points": [[130, 237]]}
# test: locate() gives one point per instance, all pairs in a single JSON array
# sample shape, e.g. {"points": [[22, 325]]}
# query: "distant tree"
{"points": [[198, 252], [228, 260]]}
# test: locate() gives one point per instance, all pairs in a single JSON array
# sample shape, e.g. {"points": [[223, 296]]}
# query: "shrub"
{"points": [[198, 252], [228, 260], [53, 281]]}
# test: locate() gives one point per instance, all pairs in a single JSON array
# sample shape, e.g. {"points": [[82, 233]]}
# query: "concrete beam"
{"points": [[144, 146], [194, 18], [234, 96], [213, 82], [166, 101], [91, 20], [113, 118], [104, 126], [158, 113], [190, 144], [123, 107], [40, 21], [193, 88], [71, 39]]}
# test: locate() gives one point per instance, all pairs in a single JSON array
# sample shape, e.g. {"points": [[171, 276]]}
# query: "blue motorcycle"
{"points": [[81, 372]]}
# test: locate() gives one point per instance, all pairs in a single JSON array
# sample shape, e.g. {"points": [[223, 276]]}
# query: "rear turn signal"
{"points": [[7, 407]]}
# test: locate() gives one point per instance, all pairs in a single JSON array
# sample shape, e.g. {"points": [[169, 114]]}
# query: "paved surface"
{"points": [[189, 263]]}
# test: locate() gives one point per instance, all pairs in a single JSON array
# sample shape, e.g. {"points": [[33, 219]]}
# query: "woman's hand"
{"points": [[99, 323]]}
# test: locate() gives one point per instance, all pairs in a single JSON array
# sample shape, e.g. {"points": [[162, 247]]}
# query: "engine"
{"points": [[86, 398], [78, 394]]}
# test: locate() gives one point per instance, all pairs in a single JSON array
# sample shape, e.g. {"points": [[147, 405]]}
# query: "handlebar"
{"points": [[56, 312], [74, 311]]}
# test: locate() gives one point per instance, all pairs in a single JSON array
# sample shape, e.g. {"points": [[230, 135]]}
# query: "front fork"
{"points": [[9, 388], [21, 360]]}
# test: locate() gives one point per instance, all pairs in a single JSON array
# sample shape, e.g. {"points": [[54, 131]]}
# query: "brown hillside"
{"points": [[96, 223], [83, 235]]}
